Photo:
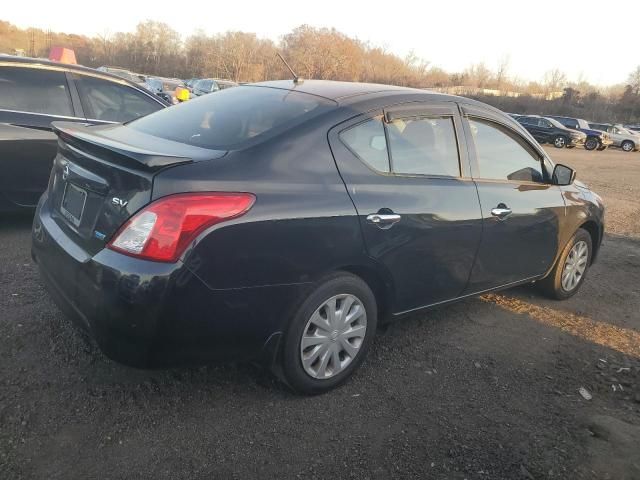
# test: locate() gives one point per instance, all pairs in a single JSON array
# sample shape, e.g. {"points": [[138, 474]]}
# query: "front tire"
{"points": [[330, 334], [628, 146], [560, 141], [571, 269], [591, 144]]}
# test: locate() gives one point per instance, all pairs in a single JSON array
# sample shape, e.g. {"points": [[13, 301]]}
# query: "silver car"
{"points": [[627, 140]]}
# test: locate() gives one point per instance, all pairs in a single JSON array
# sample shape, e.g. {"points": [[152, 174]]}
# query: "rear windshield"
{"points": [[233, 118]]}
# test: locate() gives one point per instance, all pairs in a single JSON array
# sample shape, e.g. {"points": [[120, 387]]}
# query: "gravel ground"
{"points": [[484, 389]]}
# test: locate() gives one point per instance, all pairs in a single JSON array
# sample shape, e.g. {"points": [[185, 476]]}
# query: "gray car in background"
{"points": [[627, 140], [208, 85]]}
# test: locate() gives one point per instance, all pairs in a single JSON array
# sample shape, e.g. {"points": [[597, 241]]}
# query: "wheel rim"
{"points": [[559, 142], [333, 336], [591, 144], [626, 146], [575, 266]]}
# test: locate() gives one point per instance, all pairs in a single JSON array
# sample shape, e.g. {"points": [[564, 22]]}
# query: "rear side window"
{"points": [[111, 101], [424, 146], [35, 90], [233, 118], [501, 156], [367, 141]]}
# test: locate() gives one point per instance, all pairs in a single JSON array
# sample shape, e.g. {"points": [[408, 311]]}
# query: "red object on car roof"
{"points": [[62, 55]]}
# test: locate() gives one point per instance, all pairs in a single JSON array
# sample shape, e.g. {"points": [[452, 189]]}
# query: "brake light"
{"points": [[163, 230]]}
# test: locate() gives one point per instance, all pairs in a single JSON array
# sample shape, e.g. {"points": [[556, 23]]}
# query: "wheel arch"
{"points": [[593, 230], [378, 282]]}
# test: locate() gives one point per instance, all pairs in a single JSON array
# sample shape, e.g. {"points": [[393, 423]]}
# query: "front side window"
{"points": [[502, 155], [368, 143], [111, 101], [424, 146], [35, 90]]}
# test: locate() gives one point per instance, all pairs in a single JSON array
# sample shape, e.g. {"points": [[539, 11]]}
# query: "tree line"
{"points": [[154, 48]]}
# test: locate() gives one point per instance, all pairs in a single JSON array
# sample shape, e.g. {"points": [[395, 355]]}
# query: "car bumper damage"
{"points": [[148, 314]]}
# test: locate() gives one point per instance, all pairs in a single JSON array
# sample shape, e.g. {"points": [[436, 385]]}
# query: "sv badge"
{"points": [[119, 202]]}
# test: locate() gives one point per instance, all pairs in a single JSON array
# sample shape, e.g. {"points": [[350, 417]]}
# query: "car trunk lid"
{"points": [[102, 175]]}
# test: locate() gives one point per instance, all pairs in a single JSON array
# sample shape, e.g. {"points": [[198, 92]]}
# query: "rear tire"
{"points": [[571, 269], [628, 146], [316, 359], [591, 144], [560, 141]]}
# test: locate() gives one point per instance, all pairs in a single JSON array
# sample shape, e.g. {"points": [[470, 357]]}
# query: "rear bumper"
{"points": [[148, 314]]}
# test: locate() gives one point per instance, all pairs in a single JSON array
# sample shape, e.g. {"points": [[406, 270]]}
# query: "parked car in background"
{"points": [[548, 130], [123, 73], [625, 139], [208, 85], [35, 92], [164, 88], [596, 139], [283, 221], [633, 128], [190, 83]]}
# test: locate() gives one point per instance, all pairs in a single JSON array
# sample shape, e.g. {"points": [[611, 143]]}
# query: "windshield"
{"points": [[233, 118], [204, 85], [555, 123]]}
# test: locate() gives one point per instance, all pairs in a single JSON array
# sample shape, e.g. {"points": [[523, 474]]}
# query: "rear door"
{"points": [[521, 210], [532, 124], [30, 99], [406, 170]]}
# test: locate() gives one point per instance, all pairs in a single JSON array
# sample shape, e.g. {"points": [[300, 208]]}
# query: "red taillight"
{"points": [[163, 230]]}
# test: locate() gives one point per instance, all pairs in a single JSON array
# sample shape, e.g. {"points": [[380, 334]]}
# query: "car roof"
{"points": [[67, 66], [335, 90]]}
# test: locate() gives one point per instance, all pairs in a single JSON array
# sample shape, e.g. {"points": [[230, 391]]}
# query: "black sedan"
{"points": [[35, 92], [549, 130], [283, 221]]}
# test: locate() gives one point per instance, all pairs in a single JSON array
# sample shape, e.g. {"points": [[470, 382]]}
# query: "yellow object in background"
{"points": [[182, 94]]}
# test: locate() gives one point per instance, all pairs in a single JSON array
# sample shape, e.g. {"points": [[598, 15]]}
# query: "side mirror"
{"points": [[563, 175]]}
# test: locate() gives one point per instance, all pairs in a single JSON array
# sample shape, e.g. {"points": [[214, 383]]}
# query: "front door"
{"points": [[521, 210], [407, 173]]}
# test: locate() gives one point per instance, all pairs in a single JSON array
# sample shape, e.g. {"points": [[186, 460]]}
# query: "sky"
{"points": [[588, 40]]}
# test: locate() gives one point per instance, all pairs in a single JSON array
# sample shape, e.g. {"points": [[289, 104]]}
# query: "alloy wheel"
{"points": [[575, 266], [627, 146], [559, 142], [333, 335]]}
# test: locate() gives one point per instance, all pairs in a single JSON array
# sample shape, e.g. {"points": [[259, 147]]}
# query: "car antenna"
{"points": [[296, 78]]}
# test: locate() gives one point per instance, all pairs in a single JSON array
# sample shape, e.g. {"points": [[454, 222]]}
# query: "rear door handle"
{"points": [[383, 220], [501, 211]]}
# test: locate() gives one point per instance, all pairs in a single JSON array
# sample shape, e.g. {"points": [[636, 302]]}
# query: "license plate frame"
{"points": [[72, 198]]}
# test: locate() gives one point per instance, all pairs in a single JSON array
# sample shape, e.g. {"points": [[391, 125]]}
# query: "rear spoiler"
{"points": [[104, 142]]}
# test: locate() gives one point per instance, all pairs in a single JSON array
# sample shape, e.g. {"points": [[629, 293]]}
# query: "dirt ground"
{"points": [[615, 175], [484, 389]]}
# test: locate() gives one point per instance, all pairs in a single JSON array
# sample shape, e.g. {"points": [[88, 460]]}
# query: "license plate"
{"points": [[73, 201]]}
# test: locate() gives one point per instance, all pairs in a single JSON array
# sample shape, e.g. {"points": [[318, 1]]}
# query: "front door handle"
{"points": [[501, 211], [383, 220]]}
